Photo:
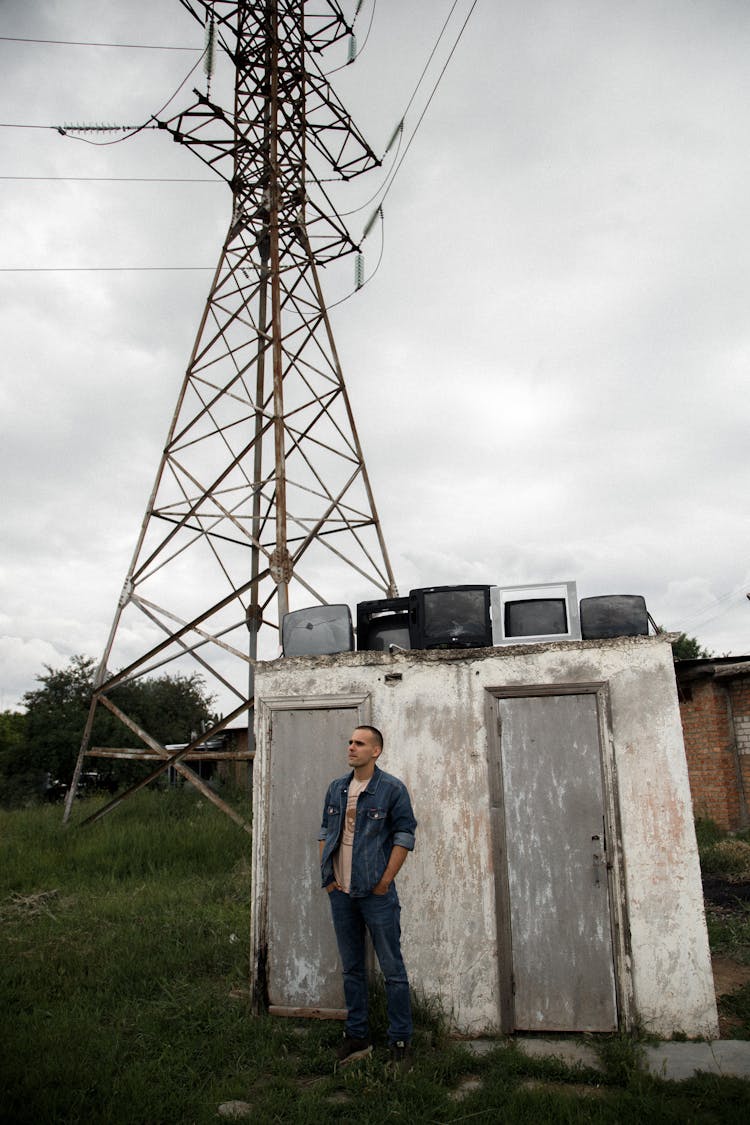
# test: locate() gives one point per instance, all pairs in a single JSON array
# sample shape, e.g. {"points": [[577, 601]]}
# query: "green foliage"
{"points": [[120, 945], [43, 744], [722, 856], [728, 859], [707, 832], [689, 648], [729, 931], [737, 1006], [16, 774]]}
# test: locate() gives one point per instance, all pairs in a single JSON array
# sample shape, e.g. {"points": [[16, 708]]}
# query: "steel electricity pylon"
{"points": [[261, 500]]}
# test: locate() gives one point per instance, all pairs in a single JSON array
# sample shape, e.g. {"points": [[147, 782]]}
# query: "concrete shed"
{"points": [[555, 884]]}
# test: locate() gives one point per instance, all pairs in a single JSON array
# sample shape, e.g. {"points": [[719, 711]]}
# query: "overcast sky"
{"points": [[548, 368]]}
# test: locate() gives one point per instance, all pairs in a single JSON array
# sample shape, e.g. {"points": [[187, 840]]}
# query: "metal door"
{"points": [[307, 750], [558, 901]]}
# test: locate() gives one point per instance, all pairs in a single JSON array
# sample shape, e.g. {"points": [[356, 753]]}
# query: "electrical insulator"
{"points": [[371, 221], [208, 61], [359, 271], [396, 132], [352, 49]]}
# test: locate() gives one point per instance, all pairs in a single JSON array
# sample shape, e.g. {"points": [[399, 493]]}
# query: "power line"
{"points": [[15, 125], [429, 100], [359, 50], [85, 43], [146, 125], [61, 130], [432, 55], [99, 269], [129, 130], [387, 183], [720, 606], [126, 179]]}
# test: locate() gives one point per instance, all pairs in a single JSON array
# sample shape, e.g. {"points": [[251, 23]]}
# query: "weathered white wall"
{"points": [[434, 722]]}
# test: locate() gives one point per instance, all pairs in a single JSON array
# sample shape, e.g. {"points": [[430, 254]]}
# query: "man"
{"points": [[366, 834]]}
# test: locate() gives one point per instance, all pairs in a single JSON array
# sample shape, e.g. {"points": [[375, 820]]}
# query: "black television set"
{"points": [[320, 630], [450, 617], [614, 615], [382, 623], [544, 611]]}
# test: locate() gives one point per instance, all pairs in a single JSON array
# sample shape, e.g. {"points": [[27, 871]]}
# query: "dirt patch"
{"points": [[729, 975], [467, 1086], [725, 891]]}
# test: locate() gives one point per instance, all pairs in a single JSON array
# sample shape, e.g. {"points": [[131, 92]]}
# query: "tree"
{"points": [[16, 778], [45, 745], [689, 648]]}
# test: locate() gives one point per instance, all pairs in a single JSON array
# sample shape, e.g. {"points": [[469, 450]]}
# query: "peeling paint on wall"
{"points": [[434, 719]]}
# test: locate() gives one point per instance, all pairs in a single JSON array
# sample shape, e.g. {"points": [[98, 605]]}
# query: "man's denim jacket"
{"points": [[384, 818]]}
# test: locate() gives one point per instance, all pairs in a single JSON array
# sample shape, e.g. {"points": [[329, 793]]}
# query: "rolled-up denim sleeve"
{"points": [[403, 821]]}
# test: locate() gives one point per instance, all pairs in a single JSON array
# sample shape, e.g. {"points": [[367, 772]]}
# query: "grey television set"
{"points": [[320, 630], [543, 611]]}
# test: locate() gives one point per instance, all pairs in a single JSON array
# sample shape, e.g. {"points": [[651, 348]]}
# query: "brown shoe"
{"points": [[352, 1049]]}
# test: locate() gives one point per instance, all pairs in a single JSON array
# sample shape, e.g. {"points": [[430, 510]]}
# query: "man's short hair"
{"points": [[373, 731]]}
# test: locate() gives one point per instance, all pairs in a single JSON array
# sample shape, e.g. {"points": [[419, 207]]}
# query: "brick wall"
{"points": [[739, 694], [714, 713], [707, 734]]}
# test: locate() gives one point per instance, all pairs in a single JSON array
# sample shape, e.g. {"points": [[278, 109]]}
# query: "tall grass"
{"points": [[121, 944]]}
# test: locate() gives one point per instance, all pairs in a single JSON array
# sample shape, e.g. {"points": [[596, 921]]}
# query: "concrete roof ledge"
{"points": [[438, 655]]}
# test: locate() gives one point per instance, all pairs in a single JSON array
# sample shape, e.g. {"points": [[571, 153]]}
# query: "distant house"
{"points": [[240, 770], [226, 757], [714, 696]]}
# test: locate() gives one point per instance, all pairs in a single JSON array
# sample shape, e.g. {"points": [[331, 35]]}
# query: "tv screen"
{"points": [[392, 629], [450, 617], [545, 611], [318, 631], [614, 615], [382, 623], [535, 616]]}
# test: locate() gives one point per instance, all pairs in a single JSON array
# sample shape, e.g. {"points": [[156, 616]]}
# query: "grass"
{"points": [[726, 858], [121, 944]]}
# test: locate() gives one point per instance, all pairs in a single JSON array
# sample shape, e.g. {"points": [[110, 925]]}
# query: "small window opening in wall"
{"points": [[393, 677]]}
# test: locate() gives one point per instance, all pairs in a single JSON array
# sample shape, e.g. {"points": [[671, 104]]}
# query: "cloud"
{"points": [[547, 369]]}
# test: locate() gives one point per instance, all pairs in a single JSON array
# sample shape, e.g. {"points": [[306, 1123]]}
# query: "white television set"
{"points": [[546, 611]]}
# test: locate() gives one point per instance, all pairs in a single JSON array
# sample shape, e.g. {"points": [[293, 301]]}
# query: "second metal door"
{"points": [[552, 820]]}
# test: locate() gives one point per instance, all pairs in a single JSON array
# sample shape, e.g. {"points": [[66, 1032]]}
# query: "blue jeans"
{"points": [[380, 914]]}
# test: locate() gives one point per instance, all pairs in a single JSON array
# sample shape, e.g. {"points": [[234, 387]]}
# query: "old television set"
{"points": [[320, 630], [450, 617], [383, 623], [614, 615], [546, 611]]}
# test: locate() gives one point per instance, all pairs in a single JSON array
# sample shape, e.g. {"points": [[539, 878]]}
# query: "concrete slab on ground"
{"points": [[568, 1051], [674, 1061], [677, 1061]]}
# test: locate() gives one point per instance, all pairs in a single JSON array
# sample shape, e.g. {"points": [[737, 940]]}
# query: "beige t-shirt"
{"points": [[342, 857]]}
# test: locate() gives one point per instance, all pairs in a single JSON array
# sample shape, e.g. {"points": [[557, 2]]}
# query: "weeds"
{"points": [[120, 951], [729, 858]]}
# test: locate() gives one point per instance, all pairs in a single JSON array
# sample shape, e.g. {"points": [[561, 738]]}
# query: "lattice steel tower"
{"points": [[262, 499]]}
